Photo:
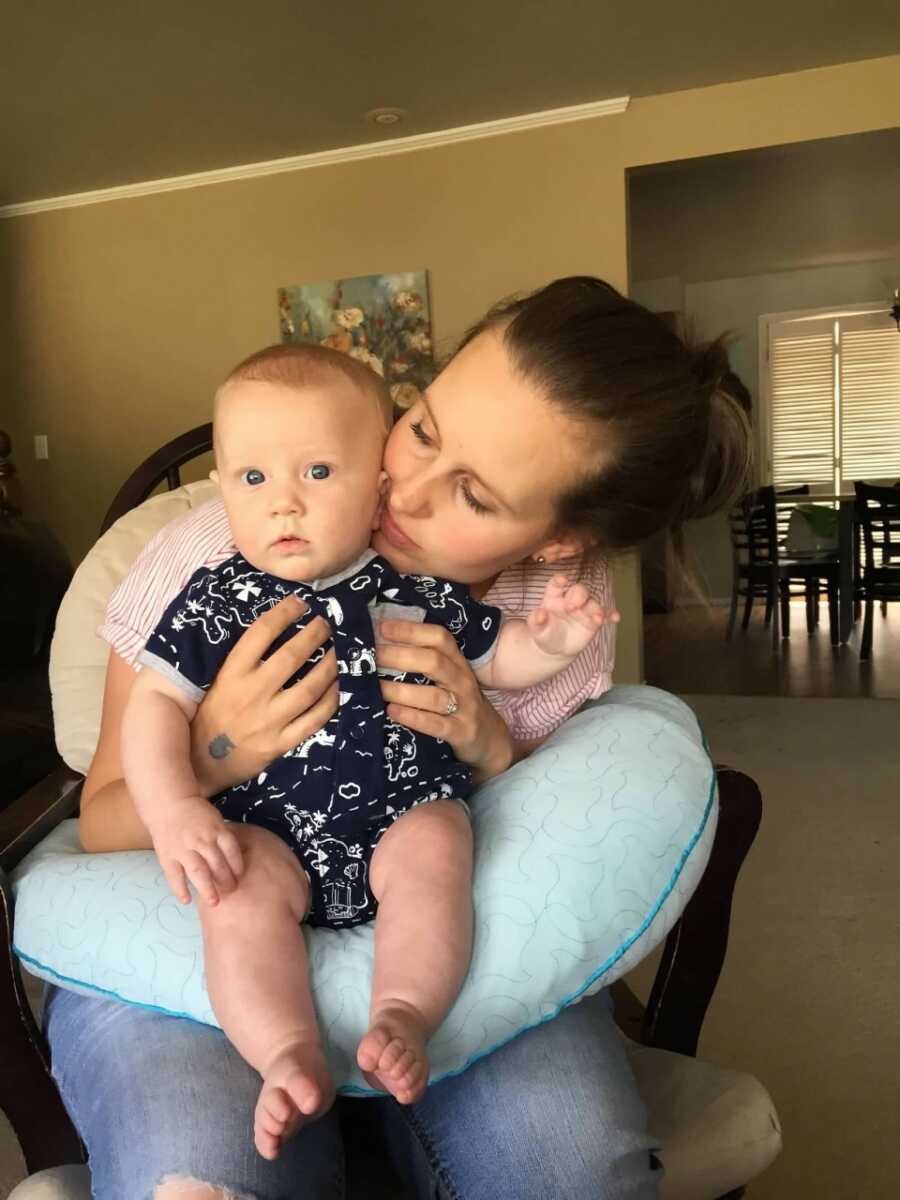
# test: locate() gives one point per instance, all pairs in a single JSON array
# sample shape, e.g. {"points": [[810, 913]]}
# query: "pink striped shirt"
{"points": [[202, 538]]}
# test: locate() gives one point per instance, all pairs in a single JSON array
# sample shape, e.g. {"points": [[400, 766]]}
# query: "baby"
{"points": [[373, 813]]}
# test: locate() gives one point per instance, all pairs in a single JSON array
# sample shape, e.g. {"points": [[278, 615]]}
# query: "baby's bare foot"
{"points": [[392, 1053], [297, 1088]]}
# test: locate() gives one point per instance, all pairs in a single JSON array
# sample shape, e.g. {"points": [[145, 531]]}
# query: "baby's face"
{"points": [[299, 471]]}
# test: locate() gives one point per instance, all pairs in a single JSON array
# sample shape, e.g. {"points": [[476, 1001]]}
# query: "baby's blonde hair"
{"points": [[299, 365]]}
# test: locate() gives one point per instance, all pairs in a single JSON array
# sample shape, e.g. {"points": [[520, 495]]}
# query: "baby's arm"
{"points": [[190, 836], [530, 651]]}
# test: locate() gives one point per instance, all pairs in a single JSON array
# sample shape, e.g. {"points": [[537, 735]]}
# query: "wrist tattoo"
{"points": [[221, 746]]}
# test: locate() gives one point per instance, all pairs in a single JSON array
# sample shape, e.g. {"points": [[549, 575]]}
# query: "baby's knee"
{"points": [[433, 840], [271, 875], [185, 1187], [445, 826]]}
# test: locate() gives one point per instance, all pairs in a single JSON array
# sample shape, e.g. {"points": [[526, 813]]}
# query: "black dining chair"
{"points": [[809, 589], [884, 602], [878, 578], [762, 570]]}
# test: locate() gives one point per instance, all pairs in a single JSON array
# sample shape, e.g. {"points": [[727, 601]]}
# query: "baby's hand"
{"points": [[567, 618], [193, 843]]}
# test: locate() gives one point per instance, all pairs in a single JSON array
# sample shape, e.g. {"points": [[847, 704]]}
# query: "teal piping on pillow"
{"points": [[80, 986]]}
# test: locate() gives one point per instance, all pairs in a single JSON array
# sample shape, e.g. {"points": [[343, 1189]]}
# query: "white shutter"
{"points": [[869, 398], [801, 397]]}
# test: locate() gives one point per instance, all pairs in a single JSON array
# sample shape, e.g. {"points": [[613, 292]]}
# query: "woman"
{"points": [[569, 423]]}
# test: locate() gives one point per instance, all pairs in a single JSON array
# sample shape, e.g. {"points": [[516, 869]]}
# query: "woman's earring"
{"points": [[540, 558]]}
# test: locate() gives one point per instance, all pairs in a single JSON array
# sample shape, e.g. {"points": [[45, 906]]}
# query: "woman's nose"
{"points": [[411, 494]]}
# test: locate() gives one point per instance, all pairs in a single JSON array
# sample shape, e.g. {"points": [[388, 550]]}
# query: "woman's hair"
{"points": [[672, 441]]}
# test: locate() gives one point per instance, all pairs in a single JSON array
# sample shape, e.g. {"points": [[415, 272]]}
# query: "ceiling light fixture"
{"points": [[386, 116]]}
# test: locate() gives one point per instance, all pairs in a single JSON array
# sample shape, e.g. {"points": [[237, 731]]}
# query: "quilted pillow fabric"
{"points": [[585, 856]]}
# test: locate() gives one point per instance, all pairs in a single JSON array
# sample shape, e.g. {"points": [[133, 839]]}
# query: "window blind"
{"points": [[833, 400], [869, 398], [801, 398]]}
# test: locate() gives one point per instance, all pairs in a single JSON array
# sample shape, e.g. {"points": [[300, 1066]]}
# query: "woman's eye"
{"points": [[474, 504], [253, 477], [419, 432], [318, 471]]}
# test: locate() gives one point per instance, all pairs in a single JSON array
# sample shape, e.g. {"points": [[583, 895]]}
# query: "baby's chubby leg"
{"points": [[421, 875], [258, 981]]}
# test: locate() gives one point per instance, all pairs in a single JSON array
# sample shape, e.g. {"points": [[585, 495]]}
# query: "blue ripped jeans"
{"points": [[553, 1115]]}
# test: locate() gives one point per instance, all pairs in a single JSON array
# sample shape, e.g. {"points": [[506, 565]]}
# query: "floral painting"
{"points": [[382, 320]]}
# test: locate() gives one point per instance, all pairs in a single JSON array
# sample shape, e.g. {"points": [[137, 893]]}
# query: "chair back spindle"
{"points": [[163, 465], [877, 578], [762, 526], [878, 513]]}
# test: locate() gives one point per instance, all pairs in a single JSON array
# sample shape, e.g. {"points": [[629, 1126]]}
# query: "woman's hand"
{"points": [[248, 718], [476, 732]]}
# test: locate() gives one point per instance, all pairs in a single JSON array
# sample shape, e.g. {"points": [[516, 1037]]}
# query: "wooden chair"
{"points": [[762, 570], [664, 1034], [750, 579], [884, 602], [878, 578], [164, 465], [859, 552], [807, 589]]}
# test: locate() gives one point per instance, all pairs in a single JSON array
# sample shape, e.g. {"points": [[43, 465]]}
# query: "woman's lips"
{"points": [[394, 533]]}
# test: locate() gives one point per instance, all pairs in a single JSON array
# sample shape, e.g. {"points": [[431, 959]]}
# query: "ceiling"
{"points": [[101, 93]]}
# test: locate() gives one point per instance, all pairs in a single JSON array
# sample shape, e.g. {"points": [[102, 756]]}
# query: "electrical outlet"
{"points": [[41, 446]]}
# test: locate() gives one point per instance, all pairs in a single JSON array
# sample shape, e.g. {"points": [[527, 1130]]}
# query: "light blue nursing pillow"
{"points": [[585, 855]]}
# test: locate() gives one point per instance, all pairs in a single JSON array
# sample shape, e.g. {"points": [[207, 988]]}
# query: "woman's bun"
{"points": [[710, 364], [723, 472]]}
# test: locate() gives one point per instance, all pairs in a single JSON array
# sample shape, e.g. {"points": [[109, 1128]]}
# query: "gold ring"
{"points": [[452, 704]]}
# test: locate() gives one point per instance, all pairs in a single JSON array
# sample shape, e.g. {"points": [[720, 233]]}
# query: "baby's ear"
{"points": [[382, 496]]}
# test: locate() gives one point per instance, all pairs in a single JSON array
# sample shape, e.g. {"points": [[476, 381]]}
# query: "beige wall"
{"points": [[119, 318]]}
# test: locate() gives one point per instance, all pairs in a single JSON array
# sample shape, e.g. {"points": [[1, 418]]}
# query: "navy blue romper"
{"points": [[332, 797]]}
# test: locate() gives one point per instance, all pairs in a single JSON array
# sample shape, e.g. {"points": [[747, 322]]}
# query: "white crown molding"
{"points": [[326, 158]]}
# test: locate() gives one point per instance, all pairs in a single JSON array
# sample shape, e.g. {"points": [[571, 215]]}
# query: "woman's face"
{"points": [[476, 470]]}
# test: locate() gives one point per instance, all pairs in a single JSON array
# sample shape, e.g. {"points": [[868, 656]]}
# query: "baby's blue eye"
{"points": [[253, 477], [318, 471]]}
